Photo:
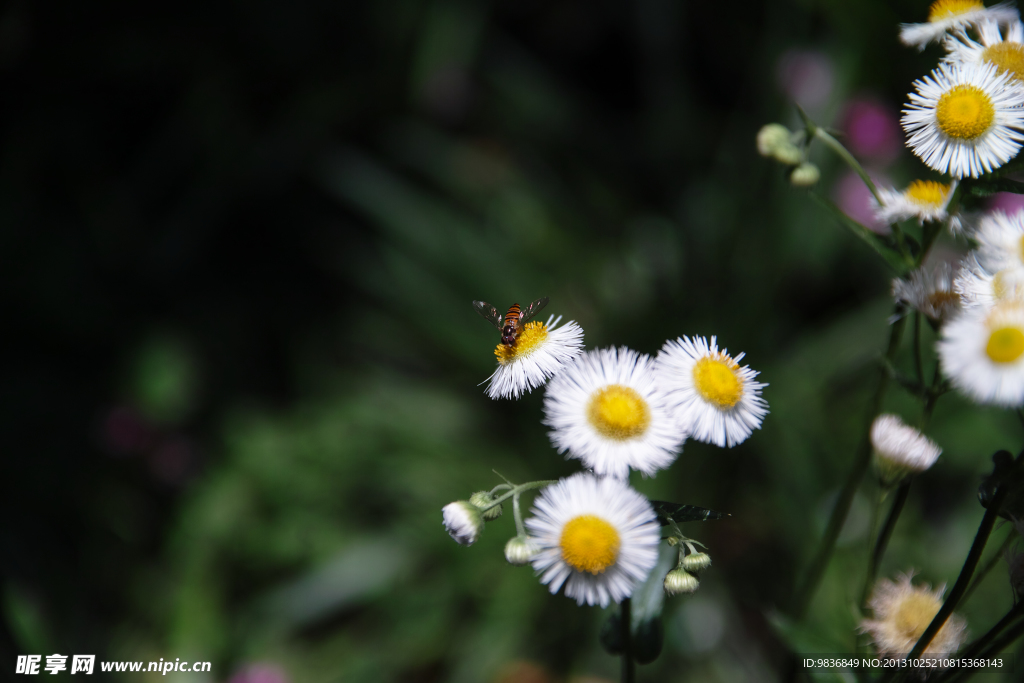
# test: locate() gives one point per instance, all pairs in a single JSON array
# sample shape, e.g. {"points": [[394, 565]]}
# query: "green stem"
{"points": [[932, 228], [861, 462], [933, 396], [980, 575], [845, 155], [876, 512], [954, 202], [930, 232], [901, 242], [628, 665], [883, 540], [520, 530], [918, 365], [963, 580], [904, 490], [977, 646], [515, 491], [1003, 641]]}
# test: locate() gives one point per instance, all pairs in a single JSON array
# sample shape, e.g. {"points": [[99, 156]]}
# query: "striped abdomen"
{"points": [[512, 317], [511, 329]]}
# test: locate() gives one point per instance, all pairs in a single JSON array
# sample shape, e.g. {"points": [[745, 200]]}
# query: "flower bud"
{"points": [[805, 175], [520, 549], [482, 499], [770, 137], [900, 450], [694, 562], [680, 581], [788, 154], [463, 521]]}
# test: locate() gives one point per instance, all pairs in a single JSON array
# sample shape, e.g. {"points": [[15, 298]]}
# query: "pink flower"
{"points": [[1007, 202], [872, 130]]}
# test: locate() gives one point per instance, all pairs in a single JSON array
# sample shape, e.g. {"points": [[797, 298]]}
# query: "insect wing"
{"points": [[489, 312], [533, 309]]}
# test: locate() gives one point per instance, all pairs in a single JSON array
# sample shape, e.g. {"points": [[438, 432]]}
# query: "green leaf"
{"points": [[804, 639], [648, 639], [611, 633], [647, 602], [875, 241], [677, 512], [986, 187]]}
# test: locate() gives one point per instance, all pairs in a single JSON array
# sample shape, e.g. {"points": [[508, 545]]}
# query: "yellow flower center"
{"points": [[618, 412], [914, 613], [945, 9], [531, 336], [964, 112], [717, 380], [927, 193], [1008, 58], [1005, 345], [589, 544]]}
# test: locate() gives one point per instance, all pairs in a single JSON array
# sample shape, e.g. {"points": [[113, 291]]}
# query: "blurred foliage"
{"points": [[239, 245]]}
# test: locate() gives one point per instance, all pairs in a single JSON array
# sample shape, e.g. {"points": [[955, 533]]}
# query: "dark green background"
{"points": [[239, 242]]}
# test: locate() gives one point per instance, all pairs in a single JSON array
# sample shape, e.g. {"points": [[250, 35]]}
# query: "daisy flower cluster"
{"points": [[966, 118], [981, 349], [615, 410], [965, 122]]}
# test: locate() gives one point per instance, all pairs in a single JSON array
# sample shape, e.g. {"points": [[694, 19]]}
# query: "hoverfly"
{"points": [[514, 319]]}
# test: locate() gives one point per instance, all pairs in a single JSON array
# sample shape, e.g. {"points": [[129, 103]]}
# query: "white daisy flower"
{"points": [[982, 352], [902, 612], [900, 450], [463, 521], [605, 409], [1005, 52], [594, 535], [540, 351], [980, 289], [965, 119], [949, 15], [928, 290], [1000, 239], [925, 200], [713, 398]]}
